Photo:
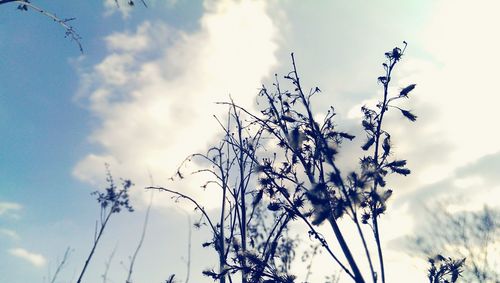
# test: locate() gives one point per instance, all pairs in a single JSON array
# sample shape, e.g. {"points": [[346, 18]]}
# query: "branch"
{"points": [[70, 32], [61, 264], [191, 200]]}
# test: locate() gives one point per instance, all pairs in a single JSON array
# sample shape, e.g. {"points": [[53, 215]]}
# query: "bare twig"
{"points": [[188, 263], [70, 32], [61, 264], [107, 264], [141, 241], [111, 202]]}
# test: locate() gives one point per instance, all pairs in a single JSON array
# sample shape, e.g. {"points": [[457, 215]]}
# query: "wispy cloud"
{"points": [[35, 259], [9, 209], [9, 233], [154, 102]]}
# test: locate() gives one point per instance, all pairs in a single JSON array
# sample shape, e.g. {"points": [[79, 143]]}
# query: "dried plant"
{"points": [[444, 270], [465, 234], [69, 31], [112, 201], [298, 179]]}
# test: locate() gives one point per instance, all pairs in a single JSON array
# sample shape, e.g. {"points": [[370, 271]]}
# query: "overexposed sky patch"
{"points": [[154, 93], [460, 89]]}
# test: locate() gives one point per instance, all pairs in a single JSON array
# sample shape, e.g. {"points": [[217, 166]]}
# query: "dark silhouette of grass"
{"points": [[112, 201], [299, 179], [279, 166]]}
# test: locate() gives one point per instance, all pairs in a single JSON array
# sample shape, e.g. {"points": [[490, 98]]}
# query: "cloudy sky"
{"points": [[141, 98]]}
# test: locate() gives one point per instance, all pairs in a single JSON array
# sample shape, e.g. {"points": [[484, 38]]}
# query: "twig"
{"points": [[63, 22], [141, 241], [188, 264], [61, 264], [107, 264]]}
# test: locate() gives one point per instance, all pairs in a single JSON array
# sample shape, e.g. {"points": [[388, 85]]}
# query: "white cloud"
{"points": [[35, 259], [9, 209], [155, 101], [130, 41]]}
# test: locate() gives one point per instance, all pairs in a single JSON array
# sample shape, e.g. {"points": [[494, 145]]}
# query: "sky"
{"points": [[141, 97]]}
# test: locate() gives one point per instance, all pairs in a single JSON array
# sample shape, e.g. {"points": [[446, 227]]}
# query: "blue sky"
{"points": [[64, 114]]}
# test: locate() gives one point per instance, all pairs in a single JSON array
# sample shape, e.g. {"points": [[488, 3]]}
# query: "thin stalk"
{"points": [[243, 222], [61, 264], [69, 30], [188, 269], [376, 157], [96, 241], [333, 222], [221, 243], [141, 241], [311, 180], [107, 264]]}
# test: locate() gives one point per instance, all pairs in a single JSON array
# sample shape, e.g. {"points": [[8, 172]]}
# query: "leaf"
{"points": [[386, 145], [405, 91], [358, 183], [170, 279], [22, 7], [273, 206], [321, 216], [296, 138], [409, 115], [440, 257], [365, 217], [288, 118], [330, 153], [347, 136], [454, 275], [335, 179], [380, 181], [368, 143], [210, 273], [402, 171], [298, 202], [382, 79], [318, 195], [397, 163], [258, 197], [283, 191], [387, 194], [367, 125]]}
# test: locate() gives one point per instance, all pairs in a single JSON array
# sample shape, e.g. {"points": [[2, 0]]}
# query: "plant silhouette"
{"points": [[280, 166], [465, 234], [69, 30], [112, 201]]}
